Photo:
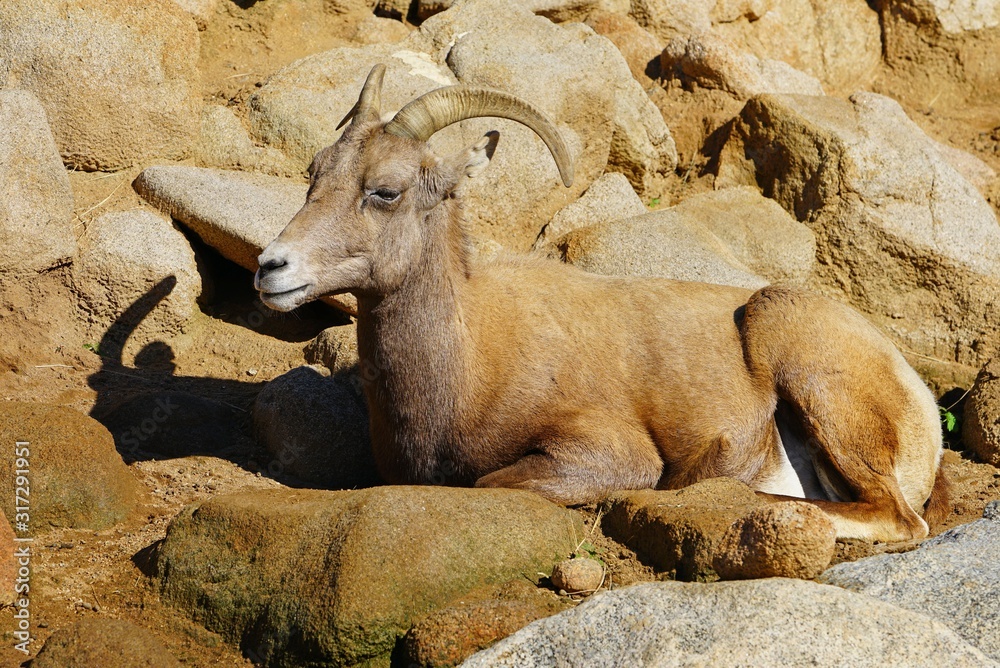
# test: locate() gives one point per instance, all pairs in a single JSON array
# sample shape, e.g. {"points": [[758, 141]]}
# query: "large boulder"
{"points": [[122, 255], [900, 234], [953, 578], [235, 213], [678, 532], [655, 245], [336, 578], [224, 142], [772, 622], [36, 203], [712, 62], [756, 230], [297, 109], [981, 420], [730, 237], [572, 74], [118, 79], [75, 477], [640, 48], [836, 41], [609, 198], [944, 49], [104, 642], [316, 428]]}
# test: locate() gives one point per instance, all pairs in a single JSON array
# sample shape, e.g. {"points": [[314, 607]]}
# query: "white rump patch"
{"points": [[785, 482], [797, 476]]}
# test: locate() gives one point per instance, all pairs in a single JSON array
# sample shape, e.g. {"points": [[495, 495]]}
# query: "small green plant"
{"points": [[92, 347], [948, 420], [653, 202], [588, 550]]}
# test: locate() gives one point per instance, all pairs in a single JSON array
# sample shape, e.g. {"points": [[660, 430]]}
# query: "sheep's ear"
{"points": [[442, 178], [472, 161], [477, 157]]}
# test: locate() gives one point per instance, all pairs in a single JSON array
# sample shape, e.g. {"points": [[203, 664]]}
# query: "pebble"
{"points": [[579, 575]]}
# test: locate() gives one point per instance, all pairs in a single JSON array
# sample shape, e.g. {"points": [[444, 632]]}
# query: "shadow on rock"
{"points": [[313, 429]]}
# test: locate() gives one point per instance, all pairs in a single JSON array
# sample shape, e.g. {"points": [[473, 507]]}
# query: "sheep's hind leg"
{"points": [[876, 520], [857, 491], [583, 460], [867, 419]]}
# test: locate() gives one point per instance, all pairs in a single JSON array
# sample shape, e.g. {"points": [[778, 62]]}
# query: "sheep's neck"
{"points": [[413, 360]]}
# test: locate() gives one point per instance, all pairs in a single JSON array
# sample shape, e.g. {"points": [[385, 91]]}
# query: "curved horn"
{"points": [[369, 104], [440, 108]]}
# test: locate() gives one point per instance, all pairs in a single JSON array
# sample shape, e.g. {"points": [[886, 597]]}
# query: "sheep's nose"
{"points": [[266, 266], [271, 265]]}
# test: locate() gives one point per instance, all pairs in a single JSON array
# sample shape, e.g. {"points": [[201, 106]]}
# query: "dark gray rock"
{"points": [[773, 622], [316, 428], [954, 578]]}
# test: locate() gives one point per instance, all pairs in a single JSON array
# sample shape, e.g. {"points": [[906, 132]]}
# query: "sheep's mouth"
{"points": [[285, 300]]}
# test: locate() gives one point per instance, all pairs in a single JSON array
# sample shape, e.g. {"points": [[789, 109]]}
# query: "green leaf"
{"points": [[949, 419], [653, 202]]}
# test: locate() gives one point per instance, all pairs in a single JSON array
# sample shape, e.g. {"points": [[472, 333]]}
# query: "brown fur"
{"points": [[938, 506], [530, 374]]}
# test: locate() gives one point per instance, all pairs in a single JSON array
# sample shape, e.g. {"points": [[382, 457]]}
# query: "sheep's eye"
{"points": [[385, 195]]}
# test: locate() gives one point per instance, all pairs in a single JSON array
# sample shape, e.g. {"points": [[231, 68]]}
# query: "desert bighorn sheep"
{"points": [[523, 372]]}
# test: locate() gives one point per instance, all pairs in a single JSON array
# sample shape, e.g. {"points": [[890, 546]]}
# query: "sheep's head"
{"points": [[361, 227]]}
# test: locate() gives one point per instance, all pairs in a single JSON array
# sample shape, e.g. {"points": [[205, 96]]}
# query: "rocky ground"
{"points": [[202, 489]]}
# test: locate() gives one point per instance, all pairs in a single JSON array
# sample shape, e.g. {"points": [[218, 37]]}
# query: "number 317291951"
{"points": [[21, 483]]}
